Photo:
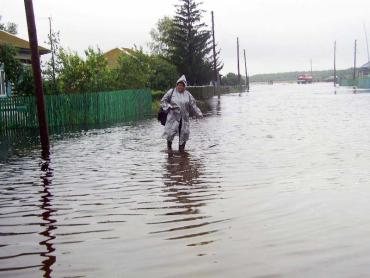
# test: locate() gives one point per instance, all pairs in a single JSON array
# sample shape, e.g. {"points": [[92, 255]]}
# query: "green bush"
{"points": [[90, 75]]}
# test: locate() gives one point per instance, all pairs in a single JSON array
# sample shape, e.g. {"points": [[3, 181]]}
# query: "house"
{"points": [[364, 70], [23, 54], [113, 55]]}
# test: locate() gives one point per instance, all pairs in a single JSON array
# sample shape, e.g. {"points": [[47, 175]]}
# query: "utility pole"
{"points": [[246, 72], [237, 49], [52, 54], [335, 69], [215, 77], [367, 43], [311, 66], [35, 58], [354, 64]]}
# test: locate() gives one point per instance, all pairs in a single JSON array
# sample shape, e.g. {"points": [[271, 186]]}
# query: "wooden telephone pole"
{"points": [[354, 63], [335, 69], [52, 54], [367, 43], [35, 58], [237, 49], [215, 73], [246, 72]]}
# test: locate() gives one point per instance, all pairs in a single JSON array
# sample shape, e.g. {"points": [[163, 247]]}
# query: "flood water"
{"points": [[275, 183]]}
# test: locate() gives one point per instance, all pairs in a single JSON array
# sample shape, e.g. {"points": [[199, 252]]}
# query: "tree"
{"points": [[97, 72], [16, 74], [89, 75], [12, 67], [219, 63], [190, 44], [52, 68], [133, 70], [231, 79], [163, 74], [160, 36], [9, 27], [72, 72], [26, 84]]}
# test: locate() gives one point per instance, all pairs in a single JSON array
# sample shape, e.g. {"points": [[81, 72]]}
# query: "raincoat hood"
{"points": [[183, 80]]}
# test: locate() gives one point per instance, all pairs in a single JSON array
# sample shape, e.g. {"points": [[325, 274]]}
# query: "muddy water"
{"points": [[275, 183]]}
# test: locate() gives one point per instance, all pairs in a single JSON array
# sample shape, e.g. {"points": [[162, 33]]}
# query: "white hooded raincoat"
{"points": [[183, 103]]}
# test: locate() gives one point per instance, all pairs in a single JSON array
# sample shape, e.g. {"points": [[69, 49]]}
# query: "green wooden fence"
{"points": [[76, 109], [348, 82], [362, 83]]}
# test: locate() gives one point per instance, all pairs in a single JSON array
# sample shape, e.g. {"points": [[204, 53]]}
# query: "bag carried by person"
{"points": [[162, 114]]}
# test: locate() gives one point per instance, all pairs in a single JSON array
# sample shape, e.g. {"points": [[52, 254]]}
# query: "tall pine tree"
{"points": [[190, 43]]}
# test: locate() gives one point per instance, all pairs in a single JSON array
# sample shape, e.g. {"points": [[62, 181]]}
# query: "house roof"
{"points": [[366, 66], [113, 54], [7, 38]]}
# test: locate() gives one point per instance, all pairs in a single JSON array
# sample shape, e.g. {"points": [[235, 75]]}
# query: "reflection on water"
{"points": [[187, 194], [275, 184], [47, 217], [18, 143], [12, 223], [181, 169], [180, 179]]}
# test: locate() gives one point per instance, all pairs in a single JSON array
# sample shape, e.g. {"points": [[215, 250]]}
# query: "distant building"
{"points": [[364, 70], [23, 54], [113, 55]]}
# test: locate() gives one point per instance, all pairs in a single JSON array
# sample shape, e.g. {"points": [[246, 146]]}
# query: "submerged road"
{"points": [[275, 183]]}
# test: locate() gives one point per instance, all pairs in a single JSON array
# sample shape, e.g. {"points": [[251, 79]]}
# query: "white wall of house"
{"points": [[4, 90], [2, 82]]}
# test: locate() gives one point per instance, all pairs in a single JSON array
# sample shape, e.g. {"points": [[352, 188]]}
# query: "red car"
{"points": [[304, 79]]}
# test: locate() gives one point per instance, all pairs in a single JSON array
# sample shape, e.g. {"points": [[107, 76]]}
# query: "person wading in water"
{"points": [[179, 103]]}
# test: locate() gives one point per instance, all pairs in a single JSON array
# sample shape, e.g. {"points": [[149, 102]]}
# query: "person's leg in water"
{"points": [[169, 145], [182, 146]]}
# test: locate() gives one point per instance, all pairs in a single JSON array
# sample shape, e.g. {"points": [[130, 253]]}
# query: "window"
{"points": [[2, 83]]}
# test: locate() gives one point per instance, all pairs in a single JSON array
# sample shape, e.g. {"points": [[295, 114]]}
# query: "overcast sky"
{"points": [[278, 35]]}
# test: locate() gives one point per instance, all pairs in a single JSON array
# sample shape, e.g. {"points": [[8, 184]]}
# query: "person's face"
{"points": [[180, 87]]}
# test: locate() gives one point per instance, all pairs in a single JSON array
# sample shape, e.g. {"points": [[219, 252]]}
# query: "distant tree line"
{"points": [[232, 78], [292, 76]]}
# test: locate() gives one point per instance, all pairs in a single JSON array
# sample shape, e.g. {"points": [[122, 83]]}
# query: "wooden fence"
{"points": [[362, 83], [76, 109]]}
